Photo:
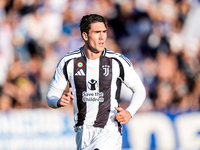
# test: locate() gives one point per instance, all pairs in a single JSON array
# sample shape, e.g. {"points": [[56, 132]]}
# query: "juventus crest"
{"points": [[106, 69]]}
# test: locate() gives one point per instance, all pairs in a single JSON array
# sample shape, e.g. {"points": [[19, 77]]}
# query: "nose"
{"points": [[101, 36]]}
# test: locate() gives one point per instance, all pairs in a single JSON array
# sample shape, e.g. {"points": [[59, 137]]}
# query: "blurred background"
{"points": [[160, 37]]}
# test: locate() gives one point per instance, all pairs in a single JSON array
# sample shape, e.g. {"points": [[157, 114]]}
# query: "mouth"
{"points": [[101, 43]]}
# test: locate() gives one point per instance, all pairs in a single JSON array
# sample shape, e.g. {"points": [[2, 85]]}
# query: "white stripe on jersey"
{"points": [[92, 106]]}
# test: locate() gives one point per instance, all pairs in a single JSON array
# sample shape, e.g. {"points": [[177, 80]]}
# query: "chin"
{"points": [[96, 49], [99, 50]]}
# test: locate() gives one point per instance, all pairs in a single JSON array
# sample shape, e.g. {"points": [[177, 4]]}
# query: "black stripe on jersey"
{"points": [[80, 85], [105, 77], [119, 80], [104, 52], [65, 69], [118, 91]]}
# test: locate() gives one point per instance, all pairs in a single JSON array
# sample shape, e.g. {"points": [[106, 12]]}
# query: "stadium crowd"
{"points": [[160, 37]]}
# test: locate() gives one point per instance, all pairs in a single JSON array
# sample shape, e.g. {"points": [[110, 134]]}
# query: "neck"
{"points": [[91, 55]]}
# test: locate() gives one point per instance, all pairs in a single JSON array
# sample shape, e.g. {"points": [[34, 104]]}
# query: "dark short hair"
{"points": [[87, 20]]}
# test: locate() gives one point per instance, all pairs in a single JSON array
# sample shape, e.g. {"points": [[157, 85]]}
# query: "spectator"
{"points": [[164, 47]]}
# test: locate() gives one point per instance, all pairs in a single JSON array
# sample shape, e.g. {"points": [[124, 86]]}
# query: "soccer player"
{"points": [[95, 75]]}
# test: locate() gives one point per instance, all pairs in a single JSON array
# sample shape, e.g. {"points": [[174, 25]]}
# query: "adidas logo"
{"points": [[80, 73]]}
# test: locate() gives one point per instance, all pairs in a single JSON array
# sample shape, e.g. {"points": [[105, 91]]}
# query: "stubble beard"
{"points": [[96, 51]]}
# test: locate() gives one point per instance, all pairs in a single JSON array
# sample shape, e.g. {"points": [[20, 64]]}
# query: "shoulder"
{"points": [[118, 57], [72, 54], [69, 56]]}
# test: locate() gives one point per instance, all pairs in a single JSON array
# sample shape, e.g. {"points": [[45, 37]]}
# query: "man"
{"points": [[95, 75]]}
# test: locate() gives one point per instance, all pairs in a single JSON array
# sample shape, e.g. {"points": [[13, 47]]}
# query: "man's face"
{"points": [[96, 37]]}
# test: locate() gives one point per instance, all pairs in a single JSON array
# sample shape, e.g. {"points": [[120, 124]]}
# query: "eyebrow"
{"points": [[100, 30]]}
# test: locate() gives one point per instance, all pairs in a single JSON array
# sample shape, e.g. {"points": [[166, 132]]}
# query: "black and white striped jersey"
{"points": [[95, 86]]}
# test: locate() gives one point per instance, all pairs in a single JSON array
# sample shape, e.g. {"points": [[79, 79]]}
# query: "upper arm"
{"points": [[60, 78], [58, 84], [131, 78]]}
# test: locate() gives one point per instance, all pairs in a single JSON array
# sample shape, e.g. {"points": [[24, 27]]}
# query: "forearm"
{"points": [[53, 96], [137, 98]]}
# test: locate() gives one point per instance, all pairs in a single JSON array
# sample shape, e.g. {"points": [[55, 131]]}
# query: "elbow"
{"points": [[51, 102], [142, 91], [48, 101]]}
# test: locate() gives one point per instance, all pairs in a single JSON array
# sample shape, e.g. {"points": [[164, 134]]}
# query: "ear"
{"points": [[85, 36]]}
